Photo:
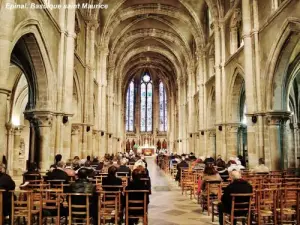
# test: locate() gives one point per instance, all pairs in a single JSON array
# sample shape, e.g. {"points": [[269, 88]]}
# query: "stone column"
{"points": [[7, 25], [250, 85], [75, 141], [16, 168], [212, 143], [43, 120], [231, 140], [276, 121], [9, 154], [4, 98]]}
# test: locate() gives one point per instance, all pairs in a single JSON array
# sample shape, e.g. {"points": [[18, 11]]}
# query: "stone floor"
{"points": [[168, 206]]}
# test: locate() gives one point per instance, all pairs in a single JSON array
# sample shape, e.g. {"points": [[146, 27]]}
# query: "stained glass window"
{"points": [[146, 103], [162, 107], [130, 107]]}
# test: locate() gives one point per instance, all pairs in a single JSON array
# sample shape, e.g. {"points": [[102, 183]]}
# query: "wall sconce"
{"points": [[254, 119], [220, 128], [191, 135], [118, 139], [88, 128], [65, 119], [180, 140], [202, 132], [102, 133], [109, 136]]}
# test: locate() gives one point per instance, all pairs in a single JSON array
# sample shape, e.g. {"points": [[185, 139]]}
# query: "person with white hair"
{"points": [[123, 168], [237, 186]]}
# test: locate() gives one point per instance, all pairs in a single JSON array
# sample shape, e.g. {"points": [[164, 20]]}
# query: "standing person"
{"points": [[238, 186]]}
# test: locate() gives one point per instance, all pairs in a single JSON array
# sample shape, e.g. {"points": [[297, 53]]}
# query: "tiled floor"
{"points": [[168, 206]]}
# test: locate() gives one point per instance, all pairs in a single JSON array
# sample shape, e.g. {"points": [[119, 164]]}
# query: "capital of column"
{"points": [[277, 117], [18, 129], [75, 129], [40, 118]]}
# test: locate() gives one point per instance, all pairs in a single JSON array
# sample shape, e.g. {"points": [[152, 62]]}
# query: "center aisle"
{"points": [[167, 205]]}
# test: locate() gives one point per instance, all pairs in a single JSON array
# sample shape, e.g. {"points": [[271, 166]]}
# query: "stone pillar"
{"points": [[4, 98], [250, 85], [231, 140], [276, 122], [10, 148], [212, 143], [43, 120], [75, 141], [16, 168]]}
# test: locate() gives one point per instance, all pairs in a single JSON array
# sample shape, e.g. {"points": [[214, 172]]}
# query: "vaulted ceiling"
{"points": [[161, 35]]}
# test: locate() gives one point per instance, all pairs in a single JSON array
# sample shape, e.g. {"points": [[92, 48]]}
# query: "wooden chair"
{"points": [[287, 206], [266, 206], [51, 204], [136, 206], [186, 181], [214, 206], [109, 205], [79, 212], [208, 197], [240, 210], [23, 207]]}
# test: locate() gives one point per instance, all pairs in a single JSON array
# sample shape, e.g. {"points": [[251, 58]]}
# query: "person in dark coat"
{"points": [[32, 173], [59, 173], [238, 186], [137, 183], [111, 179], [180, 166], [7, 184], [82, 185]]}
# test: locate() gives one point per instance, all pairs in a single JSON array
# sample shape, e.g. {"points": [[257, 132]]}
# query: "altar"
{"points": [[146, 149]]}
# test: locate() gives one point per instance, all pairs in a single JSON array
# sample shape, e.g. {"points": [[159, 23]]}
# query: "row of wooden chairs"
{"points": [[29, 206]]}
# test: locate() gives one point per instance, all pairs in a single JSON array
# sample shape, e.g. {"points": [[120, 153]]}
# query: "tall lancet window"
{"points": [[130, 107], [162, 107], [146, 103]]}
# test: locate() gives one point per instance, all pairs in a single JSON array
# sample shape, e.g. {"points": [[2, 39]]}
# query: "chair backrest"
{"points": [[241, 207], [22, 204], [79, 205], [109, 206], [136, 205]]}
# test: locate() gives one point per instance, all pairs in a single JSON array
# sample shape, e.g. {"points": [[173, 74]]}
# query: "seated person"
{"points": [[82, 185], [221, 168], [59, 173], [137, 183], [210, 174], [32, 173], [261, 168], [123, 168], [69, 169], [180, 166], [238, 186], [111, 179], [7, 184]]}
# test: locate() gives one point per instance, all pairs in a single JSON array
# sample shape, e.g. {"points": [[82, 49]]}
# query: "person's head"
{"points": [[88, 158], [236, 175], [124, 162], [221, 163], [87, 163], [76, 158], [95, 159], [209, 170], [58, 158], [138, 172], [261, 161], [240, 157], [83, 173], [69, 163], [219, 157], [112, 170], [32, 166], [61, 164]]}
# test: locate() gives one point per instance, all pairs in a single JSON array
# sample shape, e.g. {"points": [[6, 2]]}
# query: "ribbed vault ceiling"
{"points": [[161, 36]]}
